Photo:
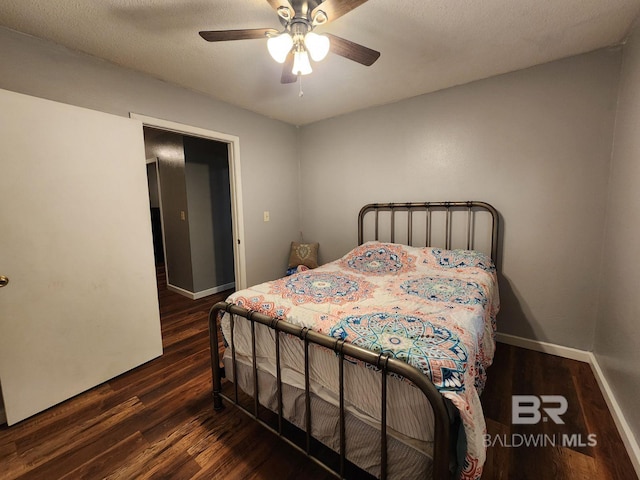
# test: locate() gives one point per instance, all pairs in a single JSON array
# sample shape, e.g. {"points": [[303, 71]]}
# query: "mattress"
{"points": [[432, 308], [407, 460], [362, 385]]}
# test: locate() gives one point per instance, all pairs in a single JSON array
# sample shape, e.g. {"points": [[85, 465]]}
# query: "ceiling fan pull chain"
{"points": [[300, 92]]}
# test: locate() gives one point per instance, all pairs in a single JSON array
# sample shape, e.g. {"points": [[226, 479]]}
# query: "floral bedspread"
{"points": [[432, 308]]}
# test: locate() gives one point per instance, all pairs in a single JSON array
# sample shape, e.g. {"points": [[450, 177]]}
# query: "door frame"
{"points": [[237, 220]]}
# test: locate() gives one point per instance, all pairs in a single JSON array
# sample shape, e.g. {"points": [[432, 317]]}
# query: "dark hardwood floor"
{"points": [[524, 372], [157, 421]]}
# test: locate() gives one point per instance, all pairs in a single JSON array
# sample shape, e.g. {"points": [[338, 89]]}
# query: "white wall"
{"points": [[618, 330], [267, 147], [534, 143]]}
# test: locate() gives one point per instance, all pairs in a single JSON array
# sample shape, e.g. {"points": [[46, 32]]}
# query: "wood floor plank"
{"points": [[577, 465], [74, 436], [498, 459], [166, 455], [6, 450], [535, 373], [165, 416], [110, 459], [610, 455], [499, 408], [45, 459], [162, 374], [81, 407]]}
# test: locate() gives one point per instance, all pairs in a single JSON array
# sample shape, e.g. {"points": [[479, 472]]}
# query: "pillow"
{"points": [[304, 254]]}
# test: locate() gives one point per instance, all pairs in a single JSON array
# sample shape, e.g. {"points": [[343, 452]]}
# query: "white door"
{"points": [[75, 243]]}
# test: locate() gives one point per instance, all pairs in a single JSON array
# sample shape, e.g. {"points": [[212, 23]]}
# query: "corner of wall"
{"points": [[624, 429], [298, 153], [615, 339], [607, 211]]}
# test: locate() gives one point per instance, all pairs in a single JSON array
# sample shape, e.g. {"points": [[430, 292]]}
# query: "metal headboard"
{"points": [[449, 208]]}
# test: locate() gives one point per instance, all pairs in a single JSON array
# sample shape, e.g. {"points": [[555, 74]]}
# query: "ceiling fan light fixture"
{"points": [[319, 18], [280, 46], [296, 46], [317, 45], [301, 64], [284, 12]]}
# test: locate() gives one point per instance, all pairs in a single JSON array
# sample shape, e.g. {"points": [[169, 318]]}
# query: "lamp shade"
{"points": [[280, 46], [317, 45], [301, 65]]}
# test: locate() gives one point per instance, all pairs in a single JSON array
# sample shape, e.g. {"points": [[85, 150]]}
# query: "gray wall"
{"points": [[152, 183], [269, 166], [617, 338], [196, 208], [173, 196], [208, 196], [534, 143]]}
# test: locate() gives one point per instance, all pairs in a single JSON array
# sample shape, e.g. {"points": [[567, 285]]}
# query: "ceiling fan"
{"points": [[293, 46]]}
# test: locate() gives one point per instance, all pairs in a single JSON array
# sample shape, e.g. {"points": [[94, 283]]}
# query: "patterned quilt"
{"points": [[432, 308]]}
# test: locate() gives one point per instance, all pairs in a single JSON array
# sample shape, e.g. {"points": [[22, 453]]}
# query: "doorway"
{"points": [[201, 245]]}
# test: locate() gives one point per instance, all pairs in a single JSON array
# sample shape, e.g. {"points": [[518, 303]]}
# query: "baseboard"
{"points": [[181, 291], [628, 438], [544, 347], [211, 291], [202, 293]]}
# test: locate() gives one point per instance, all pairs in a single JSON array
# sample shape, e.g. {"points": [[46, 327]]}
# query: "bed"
{"points": [[373, 364]]}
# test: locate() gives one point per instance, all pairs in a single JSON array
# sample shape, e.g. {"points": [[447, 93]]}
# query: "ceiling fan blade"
{"points": [[336, 8], [352, 50], [247, 34], [287, 70]]}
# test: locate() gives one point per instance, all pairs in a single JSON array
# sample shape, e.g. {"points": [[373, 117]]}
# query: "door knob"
{"points": [[3, 281]]}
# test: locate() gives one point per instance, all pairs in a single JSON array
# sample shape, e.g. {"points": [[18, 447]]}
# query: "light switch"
{"points": [[182, 215], [266, 216]]}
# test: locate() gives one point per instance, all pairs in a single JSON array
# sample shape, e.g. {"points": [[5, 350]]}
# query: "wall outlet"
{"points": [[266, 216]]}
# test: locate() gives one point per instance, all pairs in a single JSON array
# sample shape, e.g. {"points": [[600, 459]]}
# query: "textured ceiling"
{"points": [[425, 45]]}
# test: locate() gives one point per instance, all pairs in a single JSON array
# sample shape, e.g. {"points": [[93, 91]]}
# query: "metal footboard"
{"points": [[442, 453]]}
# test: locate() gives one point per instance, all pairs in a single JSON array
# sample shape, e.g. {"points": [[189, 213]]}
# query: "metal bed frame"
{"points": [[443, 434], [428, 208]]}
